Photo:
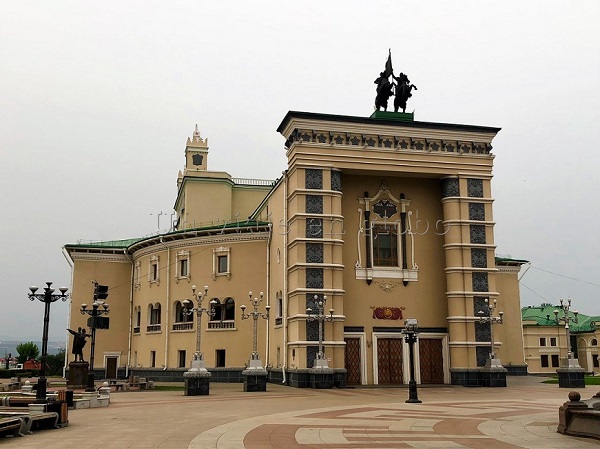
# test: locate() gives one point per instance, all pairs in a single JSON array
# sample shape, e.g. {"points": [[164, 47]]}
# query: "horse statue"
{"points": [[384, 92], [403, 91]]}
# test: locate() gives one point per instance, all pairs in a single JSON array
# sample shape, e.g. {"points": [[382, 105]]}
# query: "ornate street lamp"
{"points": [[320, 361], [567, 318], [410, 331], [255, 362], [197, 378], [198, 310], [490, 318], [94, 323], [48, 297]]}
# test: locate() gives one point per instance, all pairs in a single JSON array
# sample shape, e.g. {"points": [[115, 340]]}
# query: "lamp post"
{"points": [[410, 331], [93, 324], [320, 361], [488, 317], [255, 362], [197, 378], [567, 318], [198, 310], [48, 297]]}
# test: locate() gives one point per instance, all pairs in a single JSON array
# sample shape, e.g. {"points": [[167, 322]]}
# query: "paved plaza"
{"points": [[523, 415]]}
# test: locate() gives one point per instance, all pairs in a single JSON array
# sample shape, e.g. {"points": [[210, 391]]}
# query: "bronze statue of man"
{"points": [[79, 342]]}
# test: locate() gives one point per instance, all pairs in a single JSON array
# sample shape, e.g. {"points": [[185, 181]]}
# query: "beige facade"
{"points": [[385, 217]]}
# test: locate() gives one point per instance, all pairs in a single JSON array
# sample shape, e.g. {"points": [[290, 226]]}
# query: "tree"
{"points": [[55, 363], [27, 351]]}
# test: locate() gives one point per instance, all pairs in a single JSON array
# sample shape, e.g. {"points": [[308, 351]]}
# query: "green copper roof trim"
{"points": [[126, 243], [544, 316]]}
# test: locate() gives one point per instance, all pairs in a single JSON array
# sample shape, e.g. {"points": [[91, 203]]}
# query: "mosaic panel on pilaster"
{"points": [[314, 228], [312, 330], [475, 188], [314, 278], [336, 180], [310, 300], [311, 355], [482, 354], [479, 257], [314, 178], [477, 234], [476, 211], [314, 204], [482, 331], [480, 282], [314, 252], [480, 305], [450, 187]]}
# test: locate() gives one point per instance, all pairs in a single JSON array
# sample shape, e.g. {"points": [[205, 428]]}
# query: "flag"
{"points": [[388, 65]]}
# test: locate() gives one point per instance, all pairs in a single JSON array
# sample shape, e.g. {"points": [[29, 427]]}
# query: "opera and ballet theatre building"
{"points": [[383, 218]]}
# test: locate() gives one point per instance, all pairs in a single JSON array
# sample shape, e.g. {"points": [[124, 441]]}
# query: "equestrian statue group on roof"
{"points": [[400, 87]]}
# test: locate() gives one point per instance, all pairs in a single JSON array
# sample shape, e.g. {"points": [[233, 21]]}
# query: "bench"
{"points": [[141, 382], [12, 426], [123, 386]]}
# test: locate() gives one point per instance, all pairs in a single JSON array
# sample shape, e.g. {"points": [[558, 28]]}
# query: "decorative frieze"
{"points": [[477, 234], [314, 178], [450, 187], [314, 252], [479, 257], [475, 188], [476, 211], [314, 204]]}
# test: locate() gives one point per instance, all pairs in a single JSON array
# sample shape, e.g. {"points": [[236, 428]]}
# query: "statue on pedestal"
{"points": [[79, 342]]}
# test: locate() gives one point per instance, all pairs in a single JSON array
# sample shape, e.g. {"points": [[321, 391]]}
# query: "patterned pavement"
{"points": [[523, 415]]}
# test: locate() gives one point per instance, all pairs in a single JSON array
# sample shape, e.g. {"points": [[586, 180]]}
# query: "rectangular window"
{"points": [[542, 341], [154, 273], [183, 268], [545, 361], [153, 269], [152, 359], [552, 341], [220, 358], [385, 245], [181, 358], [595, 361], [555, 361], [222, 264]]}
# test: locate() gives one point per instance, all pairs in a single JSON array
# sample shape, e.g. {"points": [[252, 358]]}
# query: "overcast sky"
{"points": [[98, 99]]}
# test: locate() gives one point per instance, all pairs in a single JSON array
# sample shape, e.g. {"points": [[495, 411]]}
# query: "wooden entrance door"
{"points": [[431, 360], [389, 361], [352, 361], [111, 368]]}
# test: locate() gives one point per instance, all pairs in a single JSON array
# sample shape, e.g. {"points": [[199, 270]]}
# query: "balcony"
{"points": [[230, 324], [153, 328], [183, 326]]}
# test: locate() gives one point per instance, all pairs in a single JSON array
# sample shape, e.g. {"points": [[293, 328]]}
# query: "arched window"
{"points": [[155, 313], [181, 317], [229, 314], [594, 342], [217, 308]]}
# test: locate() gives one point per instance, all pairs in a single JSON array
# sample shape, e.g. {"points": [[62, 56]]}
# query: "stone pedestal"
{"points": [[571, 375], [321, 378], [493, 374], [78, 375], [255, 379], [197, 379]]}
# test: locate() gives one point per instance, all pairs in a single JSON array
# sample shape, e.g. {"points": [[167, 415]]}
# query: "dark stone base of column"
{"points": [[197, 386], [254, 380], [321, 378], [571, 377], [493, 378]]}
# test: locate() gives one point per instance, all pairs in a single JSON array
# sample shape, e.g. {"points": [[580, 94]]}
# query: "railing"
{"points": [[183, 326], [221, 324], [253, 182], [153, 328]]}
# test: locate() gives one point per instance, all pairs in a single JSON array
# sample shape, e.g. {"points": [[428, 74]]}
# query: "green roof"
{"points": [[544, 316], [126, 243]]}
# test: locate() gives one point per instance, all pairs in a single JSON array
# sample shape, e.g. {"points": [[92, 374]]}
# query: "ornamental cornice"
{"points": [[97, 256], [201, 241]]}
